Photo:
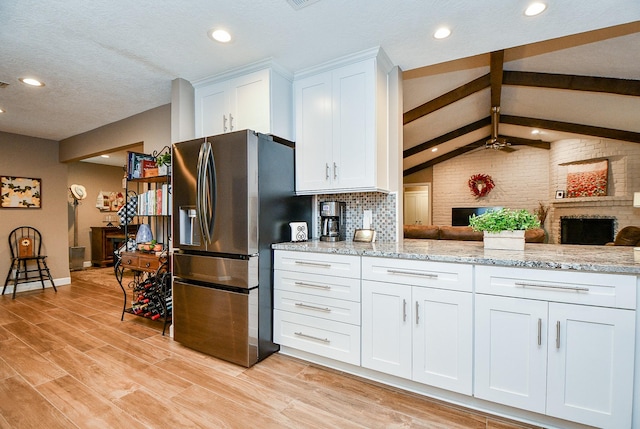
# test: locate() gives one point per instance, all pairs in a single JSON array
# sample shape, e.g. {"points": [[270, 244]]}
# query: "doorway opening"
{"points": [[417, 204]]}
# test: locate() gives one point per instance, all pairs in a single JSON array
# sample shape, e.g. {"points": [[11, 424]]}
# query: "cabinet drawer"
{"points": [[606, 290], [129, 260], [318, 263], [439, 275], [334, 340], [338, 310], [316, 284]]}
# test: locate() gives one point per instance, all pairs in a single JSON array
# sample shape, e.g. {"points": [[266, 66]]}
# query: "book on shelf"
{"points": [[140, 165]]}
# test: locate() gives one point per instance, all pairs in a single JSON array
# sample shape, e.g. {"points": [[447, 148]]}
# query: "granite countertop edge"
{"points": [[603, 259]]}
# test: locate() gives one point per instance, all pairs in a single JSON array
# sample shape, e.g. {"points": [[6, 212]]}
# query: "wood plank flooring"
{"points": [[67, 361]]}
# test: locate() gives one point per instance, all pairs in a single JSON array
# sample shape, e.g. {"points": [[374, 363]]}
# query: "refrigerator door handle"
{"points": [[206, 193]]}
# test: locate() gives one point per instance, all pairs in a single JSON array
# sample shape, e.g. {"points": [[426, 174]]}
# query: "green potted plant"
{"points": [[504, 228], [163, 159]]}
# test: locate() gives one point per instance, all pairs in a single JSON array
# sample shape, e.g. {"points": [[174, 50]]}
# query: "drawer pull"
{"points": [[147, 265], [303, 284], [311, 337], [313, 264], [562, 288], [313, 307], [413, 273]]}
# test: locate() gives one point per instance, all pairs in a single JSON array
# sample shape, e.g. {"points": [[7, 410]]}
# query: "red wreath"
{"points": [[480, 185]]}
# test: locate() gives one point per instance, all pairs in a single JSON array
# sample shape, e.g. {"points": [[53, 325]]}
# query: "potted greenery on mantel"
{"points": [[504, 228]]}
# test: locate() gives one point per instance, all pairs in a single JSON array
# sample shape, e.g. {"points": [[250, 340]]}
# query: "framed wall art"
{"points": [[587, 179], [20, 192]]}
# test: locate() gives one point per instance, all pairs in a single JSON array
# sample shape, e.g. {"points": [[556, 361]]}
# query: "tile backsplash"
{"points": [[382, 206]]}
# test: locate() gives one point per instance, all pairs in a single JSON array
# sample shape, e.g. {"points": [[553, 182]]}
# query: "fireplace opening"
{"points": [[586, 230]]}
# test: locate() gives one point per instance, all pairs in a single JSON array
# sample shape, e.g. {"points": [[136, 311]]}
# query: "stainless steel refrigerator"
{"points": [[233, 196]]}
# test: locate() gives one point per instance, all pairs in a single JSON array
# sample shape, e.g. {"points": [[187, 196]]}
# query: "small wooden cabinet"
{"points": [[104, 240]]}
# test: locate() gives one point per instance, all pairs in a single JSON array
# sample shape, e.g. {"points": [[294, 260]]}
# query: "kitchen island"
{"points": [[548, 335]]}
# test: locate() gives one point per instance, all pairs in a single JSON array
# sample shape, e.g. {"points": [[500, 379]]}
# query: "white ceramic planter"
{"points": [[504, 240], [164, 169]]}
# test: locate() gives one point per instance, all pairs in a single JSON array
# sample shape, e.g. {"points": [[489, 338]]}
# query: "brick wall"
{"points": [[521, 180], [527, 176], [623, 181]]}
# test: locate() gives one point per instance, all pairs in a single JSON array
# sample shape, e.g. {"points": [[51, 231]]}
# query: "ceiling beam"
{"points": [[446, 137], [514, 141], [496, 64], [572, 82], [588, 130], [444, 100], [464, 149]]}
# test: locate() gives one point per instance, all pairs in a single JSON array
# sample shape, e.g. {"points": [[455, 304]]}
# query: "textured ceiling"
{"points": [[105, 61]]}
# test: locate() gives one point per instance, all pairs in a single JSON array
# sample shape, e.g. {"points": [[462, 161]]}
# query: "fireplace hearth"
{"points": [[586, 231]]}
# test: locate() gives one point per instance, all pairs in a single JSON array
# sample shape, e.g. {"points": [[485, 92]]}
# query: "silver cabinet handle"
{"points": [[311, 337], [230, 121], [313, 264], [404, 310], [326, 171], [313, 307], [417, 313], [558, 334], [303, 284], [413, 273], [539, 332], [562, 288], [224, 123], [335, 171]]}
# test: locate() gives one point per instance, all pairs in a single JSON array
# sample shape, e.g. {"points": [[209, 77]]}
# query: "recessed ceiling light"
{"points": [[534, 132], [30, 81], [1, 110], [219, 35], [535, 9], [435, 149], [104, 156], [442, 33]]}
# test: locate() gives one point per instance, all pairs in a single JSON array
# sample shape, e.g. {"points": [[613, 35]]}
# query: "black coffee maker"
{"points": [[332, 221]]}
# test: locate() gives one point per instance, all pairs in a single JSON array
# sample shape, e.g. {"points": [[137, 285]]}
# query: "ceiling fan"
{"points": [[495, 142]]}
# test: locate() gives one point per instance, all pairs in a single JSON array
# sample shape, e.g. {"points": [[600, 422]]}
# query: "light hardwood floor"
{"points": [[66, 361]]}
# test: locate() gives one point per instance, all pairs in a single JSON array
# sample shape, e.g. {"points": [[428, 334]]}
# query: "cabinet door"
{"points": [[590, 358], [386, 328], [443, 338], [249, 102], [354, 150], [212, 110], [313, 133], [511, 350]]}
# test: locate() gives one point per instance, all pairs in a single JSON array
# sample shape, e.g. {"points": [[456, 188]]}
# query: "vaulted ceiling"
{"points": [[585, 85]]}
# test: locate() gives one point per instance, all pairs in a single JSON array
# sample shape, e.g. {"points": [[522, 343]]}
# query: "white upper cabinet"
{"points": [[341, 112], [259, 100]]}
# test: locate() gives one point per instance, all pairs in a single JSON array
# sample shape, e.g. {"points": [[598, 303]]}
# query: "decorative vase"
{"points": [[504, 240], [144, 234]]}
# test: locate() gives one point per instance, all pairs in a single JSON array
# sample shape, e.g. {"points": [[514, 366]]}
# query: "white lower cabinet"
{"points": [[565, 360], [317, 304], [553, 342], [417, 332]]}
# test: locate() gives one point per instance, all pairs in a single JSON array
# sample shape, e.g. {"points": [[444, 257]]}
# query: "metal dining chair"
{"points": [[25, 243]]}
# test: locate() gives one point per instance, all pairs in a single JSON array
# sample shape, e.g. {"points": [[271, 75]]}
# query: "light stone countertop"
{"points": [[606, 259]]}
